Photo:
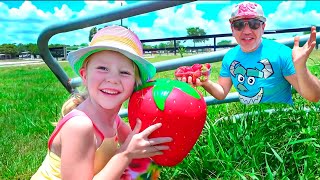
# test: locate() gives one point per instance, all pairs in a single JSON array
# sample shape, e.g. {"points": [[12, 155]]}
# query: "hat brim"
{"points": [[261, 18], [76, 59]]}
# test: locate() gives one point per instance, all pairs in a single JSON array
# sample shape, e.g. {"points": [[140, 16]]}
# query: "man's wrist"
{"points": [[301, 69], [205, 84]]}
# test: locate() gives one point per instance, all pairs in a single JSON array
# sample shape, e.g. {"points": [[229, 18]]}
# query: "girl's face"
{"points": [[109, 78]]}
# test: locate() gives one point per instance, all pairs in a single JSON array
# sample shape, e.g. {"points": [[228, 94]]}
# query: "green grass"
{"points": [[281, 145]]}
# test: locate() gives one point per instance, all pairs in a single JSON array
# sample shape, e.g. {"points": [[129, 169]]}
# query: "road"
{"points": [[4, 63]]}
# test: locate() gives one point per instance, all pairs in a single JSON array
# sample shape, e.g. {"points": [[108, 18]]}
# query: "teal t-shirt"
{"points": [[259, 76]]}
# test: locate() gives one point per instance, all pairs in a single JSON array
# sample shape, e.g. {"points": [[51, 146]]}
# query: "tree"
{"points": [[56, 45], [162, 46], [11, 49], [21, 48], [270, 38], [196, 31], [170, 44], [93, 31], [224, 42], [182, 50], [146, 46], [178, 43], [83, 44], [33, 49]]}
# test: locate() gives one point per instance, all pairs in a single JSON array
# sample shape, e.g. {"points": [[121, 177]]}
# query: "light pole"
{"points": [[121, 18]]}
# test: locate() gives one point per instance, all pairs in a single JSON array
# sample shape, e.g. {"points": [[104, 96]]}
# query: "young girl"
{"points": [[85, 143]]}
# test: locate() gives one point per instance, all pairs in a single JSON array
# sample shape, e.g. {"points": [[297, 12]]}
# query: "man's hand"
{"points": [[301, 54]]}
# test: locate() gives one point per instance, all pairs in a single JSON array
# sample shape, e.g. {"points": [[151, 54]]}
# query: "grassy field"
{"points": [[280, 145]]}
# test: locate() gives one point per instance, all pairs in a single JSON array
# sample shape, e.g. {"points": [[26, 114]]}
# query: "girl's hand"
{"points": [[138, 145]]}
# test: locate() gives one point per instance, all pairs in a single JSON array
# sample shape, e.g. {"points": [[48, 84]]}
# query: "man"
{"points": [[262, 70]]}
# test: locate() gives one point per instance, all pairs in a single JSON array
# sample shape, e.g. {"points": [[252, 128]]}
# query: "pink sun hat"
{"points": [[119, 39], [247, 10]]}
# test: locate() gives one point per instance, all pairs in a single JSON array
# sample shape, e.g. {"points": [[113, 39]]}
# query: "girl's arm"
{"points": [[137, 145], [77, 149]]}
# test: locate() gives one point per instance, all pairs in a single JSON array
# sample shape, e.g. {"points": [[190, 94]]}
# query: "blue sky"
{"points": [[22, 21]]}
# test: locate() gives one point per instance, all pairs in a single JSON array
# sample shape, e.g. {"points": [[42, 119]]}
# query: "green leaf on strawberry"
{"points": [[163, 88]]}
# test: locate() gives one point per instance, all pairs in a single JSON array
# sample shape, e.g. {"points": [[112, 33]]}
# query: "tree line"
{"points": [[191, 31], [16, 49]]}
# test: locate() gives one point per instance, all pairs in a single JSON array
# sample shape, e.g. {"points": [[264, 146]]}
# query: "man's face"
{"points": [[248, 33]]}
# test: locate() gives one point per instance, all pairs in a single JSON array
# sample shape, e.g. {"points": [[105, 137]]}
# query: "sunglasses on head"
{"points": [[240, 24]]}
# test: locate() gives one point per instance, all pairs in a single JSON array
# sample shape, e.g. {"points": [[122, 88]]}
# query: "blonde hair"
{"points": [[78, 98], [136, 75], [73, 102]]}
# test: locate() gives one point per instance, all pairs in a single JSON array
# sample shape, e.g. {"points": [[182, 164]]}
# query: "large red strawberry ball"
{"points": [[179, 107]]}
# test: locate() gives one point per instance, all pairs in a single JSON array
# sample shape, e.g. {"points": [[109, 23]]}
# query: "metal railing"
{"points": [[116, 14], [124, 12], [214, 37]]}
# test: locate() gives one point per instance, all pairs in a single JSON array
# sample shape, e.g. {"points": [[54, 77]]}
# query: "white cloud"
{"points": [[65, 13], [291, 14], [172, 22], [24, 24], [72, 38], [97, 7], [27, 10], [175, 21], [169, 22]]}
